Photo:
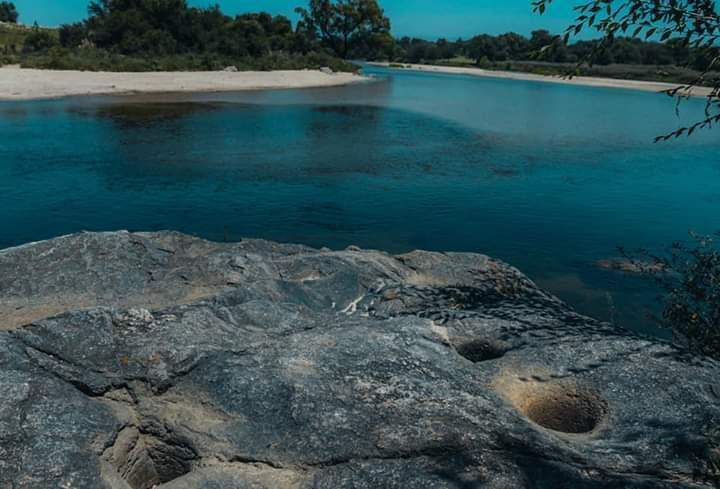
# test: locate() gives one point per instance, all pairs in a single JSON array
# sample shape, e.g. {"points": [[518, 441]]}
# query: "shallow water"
{"points": [[548, 177]]}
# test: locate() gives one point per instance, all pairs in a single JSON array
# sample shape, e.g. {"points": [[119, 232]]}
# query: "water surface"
{"points": [[548, 177]]}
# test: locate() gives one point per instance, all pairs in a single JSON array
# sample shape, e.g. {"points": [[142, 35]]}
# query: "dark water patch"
{"points": [[129, 115]]}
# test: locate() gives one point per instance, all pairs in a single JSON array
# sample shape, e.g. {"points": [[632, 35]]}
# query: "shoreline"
{"points": [[586, 81], [20, 84]]}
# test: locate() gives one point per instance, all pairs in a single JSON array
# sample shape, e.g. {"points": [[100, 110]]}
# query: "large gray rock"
{"points": [[178, 363]]}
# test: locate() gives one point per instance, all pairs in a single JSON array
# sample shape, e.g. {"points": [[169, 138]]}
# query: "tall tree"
{"points": [[8, 12], [688, 23], [346, 26]]}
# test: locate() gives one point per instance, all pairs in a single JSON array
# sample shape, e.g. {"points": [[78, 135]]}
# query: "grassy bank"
{"points": [[90, 59]]}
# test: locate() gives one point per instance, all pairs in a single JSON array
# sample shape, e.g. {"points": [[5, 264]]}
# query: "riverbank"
{"points": [[27, 84], [577, 80]]}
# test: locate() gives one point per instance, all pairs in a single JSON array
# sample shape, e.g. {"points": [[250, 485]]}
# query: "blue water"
{"points": [[548, 177]]}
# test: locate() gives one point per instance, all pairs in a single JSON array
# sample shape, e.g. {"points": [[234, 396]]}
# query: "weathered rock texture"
{"points": [[179, 363]]}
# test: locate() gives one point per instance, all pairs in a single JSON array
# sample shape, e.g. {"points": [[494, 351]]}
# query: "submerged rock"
{"points": [[177, 363], [628, 265]]}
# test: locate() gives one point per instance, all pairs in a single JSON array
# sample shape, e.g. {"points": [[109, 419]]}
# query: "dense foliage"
{"points": [[39, 40], [542, 45], [8, 12], [350, 28], [166, 27]]}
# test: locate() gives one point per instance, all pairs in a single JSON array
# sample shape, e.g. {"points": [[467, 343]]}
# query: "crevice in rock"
{"points": [[441, 451], [144, 459], [253, 461]]}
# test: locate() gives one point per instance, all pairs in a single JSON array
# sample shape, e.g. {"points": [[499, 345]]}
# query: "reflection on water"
{"points": [[136, 114], [550, 178]]}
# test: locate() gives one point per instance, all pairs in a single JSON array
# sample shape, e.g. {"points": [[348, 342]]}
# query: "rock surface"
{"points": [[628, 265], [177, 363]]}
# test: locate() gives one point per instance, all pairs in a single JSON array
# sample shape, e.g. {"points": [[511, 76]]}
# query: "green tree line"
{"points": [[542, 45], [170, 34]]}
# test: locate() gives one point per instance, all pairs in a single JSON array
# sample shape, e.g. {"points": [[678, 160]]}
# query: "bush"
{"points": [[689, 274], [7, 59], [484, 62], [39, 40], [72, 35]]}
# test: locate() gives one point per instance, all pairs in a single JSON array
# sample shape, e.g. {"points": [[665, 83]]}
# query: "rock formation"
{"points": [[133, 361]]}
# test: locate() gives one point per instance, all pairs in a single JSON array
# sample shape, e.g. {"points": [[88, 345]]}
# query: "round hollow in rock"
{"points": [[481, 350], [561, 406], [566, 410]]}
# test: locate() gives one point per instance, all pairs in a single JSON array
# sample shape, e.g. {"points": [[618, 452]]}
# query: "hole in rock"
{"points": [[145, 461], [482, 350], [565, 409]]}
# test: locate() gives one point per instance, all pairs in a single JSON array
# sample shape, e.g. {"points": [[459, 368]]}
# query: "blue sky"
{"points": [[422, 18]]}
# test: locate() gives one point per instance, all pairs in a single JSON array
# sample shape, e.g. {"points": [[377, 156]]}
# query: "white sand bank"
{"points": [[578, 80], [25, 84]]}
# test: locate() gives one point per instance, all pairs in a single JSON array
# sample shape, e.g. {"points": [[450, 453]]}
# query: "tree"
{"points": [[540, 39], [515, 45], [137, 26], [170, 27], [8, 12], [72, 35], [692, 23], [347, 27], [39, 40], [483, 47]]}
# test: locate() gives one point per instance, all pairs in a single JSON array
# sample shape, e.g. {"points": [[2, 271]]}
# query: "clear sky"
{"points": [[421, 18]]}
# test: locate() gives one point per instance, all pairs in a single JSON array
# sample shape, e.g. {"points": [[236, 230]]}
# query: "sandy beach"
{"points": [[26, 84], [578, 80]]}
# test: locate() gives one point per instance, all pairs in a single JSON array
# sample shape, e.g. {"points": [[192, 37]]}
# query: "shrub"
{"points": [[7, 59], [689, 274], [484, 62], [39, 40], [72, 35]]}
